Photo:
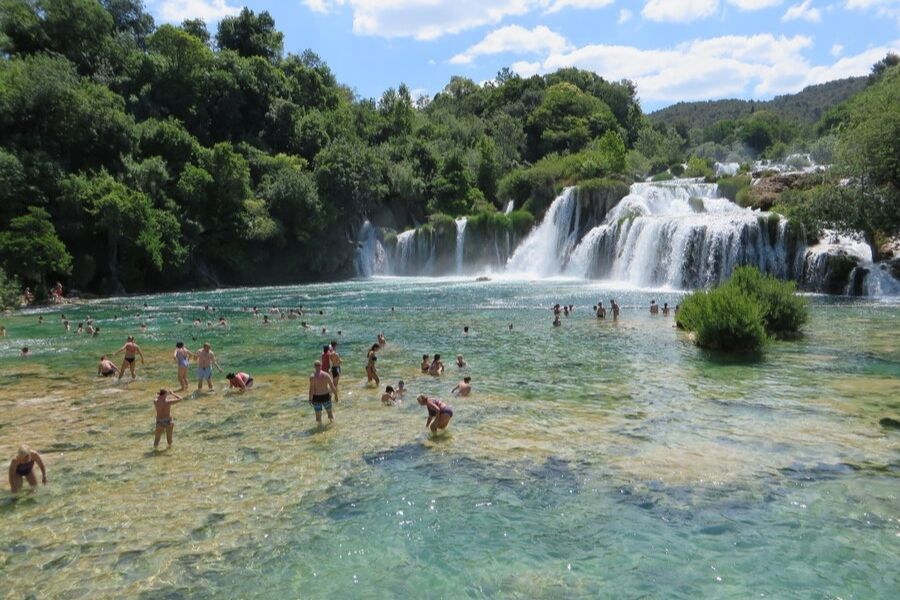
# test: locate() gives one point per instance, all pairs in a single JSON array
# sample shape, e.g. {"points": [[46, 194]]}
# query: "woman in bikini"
{"points": [[22, 467], [371, 372], [439, 412]]}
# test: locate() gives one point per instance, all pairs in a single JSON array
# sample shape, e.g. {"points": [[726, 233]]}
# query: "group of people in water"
{"points": [[323, 391]]}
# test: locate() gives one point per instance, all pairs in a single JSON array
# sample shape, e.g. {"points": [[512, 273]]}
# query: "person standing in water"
{"points": [[654, 307], [22, 467], [601, 312], [106, 367], [371, 371], [164, 422], [665, 309], [615, 309], [556, 321], [389, 396], [132, 351], [463, 388], [335, 362], [426, 363], [241, 381], [439, 412], [182, 357], [382, 342], [321, 387], [206, 358], [437, 367]]}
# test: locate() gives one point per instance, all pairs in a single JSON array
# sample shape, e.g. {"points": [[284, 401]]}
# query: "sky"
{"points": [[674, 50]]}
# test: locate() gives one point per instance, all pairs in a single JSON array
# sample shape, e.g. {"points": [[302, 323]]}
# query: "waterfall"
{"points": [[546, 248], [370, 256], [510, 206], [460, 243]]}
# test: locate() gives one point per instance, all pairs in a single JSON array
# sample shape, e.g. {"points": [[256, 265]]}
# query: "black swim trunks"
{"points": [[335, 371]]}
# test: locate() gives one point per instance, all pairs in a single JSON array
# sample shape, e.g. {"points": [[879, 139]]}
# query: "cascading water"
{"points": [[370, 257], [510, 206], [547, 247], [460, 243]]}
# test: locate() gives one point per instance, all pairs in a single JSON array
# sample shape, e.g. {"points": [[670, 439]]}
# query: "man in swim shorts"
{"points": [[463, 388], [321, 387], [106, 367], [132, 351], [164, 422], [206, 358], [335, 362]]}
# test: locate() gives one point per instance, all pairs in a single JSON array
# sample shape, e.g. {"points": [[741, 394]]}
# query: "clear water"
{"points": [[598, 459]]}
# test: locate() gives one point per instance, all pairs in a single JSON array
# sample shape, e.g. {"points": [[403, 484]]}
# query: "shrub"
{"points": [[10, 291], [664, 176], [742, 312], [521, 221], [744, 197], [698, 167], [723, 319], [731, 186], [677, 169]]}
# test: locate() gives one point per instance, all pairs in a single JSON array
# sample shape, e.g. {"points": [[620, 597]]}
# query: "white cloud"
{"points": [[176, 11], [515, 39], [558, 5], [624, 16], [804, 11], [319, 6], [729, 66], [679, 11], [837, 50], [754, 4], [882, 8]]}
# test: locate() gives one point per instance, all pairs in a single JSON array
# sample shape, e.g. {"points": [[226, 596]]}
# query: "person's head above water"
{"points": [[375, 347], [179, 344], [389, 389], [424, 357], [400, 385], [467, 379]]}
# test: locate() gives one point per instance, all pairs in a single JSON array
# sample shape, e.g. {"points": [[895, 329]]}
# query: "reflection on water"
{"points": [[596, 459]]}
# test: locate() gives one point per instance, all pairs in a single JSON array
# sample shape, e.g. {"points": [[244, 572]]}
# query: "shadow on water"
{"points": [[732, 359]]}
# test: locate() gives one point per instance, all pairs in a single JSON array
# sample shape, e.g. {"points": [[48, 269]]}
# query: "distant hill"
{"points": [[806, 106]]}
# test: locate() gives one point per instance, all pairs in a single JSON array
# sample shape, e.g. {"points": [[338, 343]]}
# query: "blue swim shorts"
{"points": [[204, 373]]}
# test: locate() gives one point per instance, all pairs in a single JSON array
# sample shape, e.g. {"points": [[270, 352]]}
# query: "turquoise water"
{"points": [[597, 459]]}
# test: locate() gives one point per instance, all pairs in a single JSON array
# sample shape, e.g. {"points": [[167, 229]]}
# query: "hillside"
{"points": [[807, 106]]}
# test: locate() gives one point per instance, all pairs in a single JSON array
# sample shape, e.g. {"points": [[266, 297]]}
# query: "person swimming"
{"points": [[426, 363], [439, 412], [437, 367], [389, 396], [382, 342], [665, 308], [556, 321], [463, 388], [601, 312], [654, 307], [460, 361], [401, 389], [615, 309]]}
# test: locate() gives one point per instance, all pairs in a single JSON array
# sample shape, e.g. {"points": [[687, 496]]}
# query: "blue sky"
{"points": [[673, 49]]}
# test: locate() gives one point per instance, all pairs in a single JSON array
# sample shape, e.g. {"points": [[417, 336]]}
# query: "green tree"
{"points": [[31, 248], [566, 120], [250, 34]]}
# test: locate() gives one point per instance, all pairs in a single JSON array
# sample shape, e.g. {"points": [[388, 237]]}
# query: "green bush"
{"points": [[664, 176], [521, 221], [698, 167], [677, 169], [742, 312], [744, 197], [723, 319], [731, 186], [10, 291]]}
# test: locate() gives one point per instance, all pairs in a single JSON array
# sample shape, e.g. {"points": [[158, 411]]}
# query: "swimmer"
{"points": [[466, 330], [25, 352], [22, 467], [325, 359], [371, 371], [321, 387], [677, 308], [556, 321], [463, 388], [182, 357], [40, 319], [66, 325], [132, 351], [206, 359], [601, 312], [90, 330], [439, 413], [437, 367], [2, 331], [460, 361], [389, 396], [654, 307], [336, 361], [426, 363], [510, 327], [665, 309], [164, 421], [303, 324], [223, 322], [80, 328], [615, 309], [106, 367], [241, 381], [266, 320], [381, 341], [96, 332], [401, 389]]}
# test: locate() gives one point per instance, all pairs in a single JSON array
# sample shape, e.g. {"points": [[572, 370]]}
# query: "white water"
{"points": [[545, 250], [510, 206], [370, 257], [460, 243]]}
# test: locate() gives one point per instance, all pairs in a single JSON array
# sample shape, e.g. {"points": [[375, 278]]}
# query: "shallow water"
{"points": [[597, 459]]}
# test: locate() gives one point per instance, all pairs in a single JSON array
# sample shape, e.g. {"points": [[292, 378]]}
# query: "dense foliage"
{"points": [[743, 312], [153, 157]]}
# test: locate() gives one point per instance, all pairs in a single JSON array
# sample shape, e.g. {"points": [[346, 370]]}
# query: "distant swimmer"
{"points": [[439, 412], [556, 321], [336, 361], [654, 307], [25, 352], [164, 422], [437, 367], [206, 359], [2, 331], [601, 312], [106, 367], [460, 361], [665, 309], [132, 351], [466, 330], [382, 342], [401, 389], [426, 363], [22, 467], [182, 357], [510, 327], [266, 320], [615, 309], [677, 308], [321, 388], [241, 381], [463, 388], [389, 396], [371, 371]]}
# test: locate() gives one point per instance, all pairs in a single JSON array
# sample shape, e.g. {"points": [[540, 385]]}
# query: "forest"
{"points": [[144, 157]]}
